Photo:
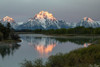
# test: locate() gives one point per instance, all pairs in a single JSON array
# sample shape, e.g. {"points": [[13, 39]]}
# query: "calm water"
{"points": [[35, 46]]}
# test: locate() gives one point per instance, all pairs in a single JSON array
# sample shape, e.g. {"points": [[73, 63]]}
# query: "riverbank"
{"points": [[82, 57], [59, 34]]}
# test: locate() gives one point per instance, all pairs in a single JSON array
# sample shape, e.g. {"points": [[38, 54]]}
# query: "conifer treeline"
{"points": [[6, 32], [77, 30]]}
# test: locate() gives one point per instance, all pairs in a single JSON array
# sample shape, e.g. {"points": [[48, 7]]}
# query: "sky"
{"points": [[68, 10]]}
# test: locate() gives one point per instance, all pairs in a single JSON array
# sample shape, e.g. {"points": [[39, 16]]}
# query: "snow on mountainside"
{"points": [[88, 22], [6, 20], [43, 15], [43, 20]]}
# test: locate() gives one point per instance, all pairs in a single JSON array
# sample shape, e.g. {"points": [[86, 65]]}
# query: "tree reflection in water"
{"points": [[6, 49]]}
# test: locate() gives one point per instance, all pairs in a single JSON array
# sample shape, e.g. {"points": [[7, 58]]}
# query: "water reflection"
{"points": [[76, 40], [8, 49], [44, 50], [87, 44], [45, 45]]}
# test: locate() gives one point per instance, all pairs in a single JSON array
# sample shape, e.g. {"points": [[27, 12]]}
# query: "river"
{"points": [[34, 46]]}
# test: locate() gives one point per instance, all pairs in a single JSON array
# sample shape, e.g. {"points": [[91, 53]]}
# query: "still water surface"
{"points": [[34, 46]]}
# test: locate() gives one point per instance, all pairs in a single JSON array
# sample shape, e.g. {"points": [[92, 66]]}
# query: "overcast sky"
{"points": [[68, 10]]}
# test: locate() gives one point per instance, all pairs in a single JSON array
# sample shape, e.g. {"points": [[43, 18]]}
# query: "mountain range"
{"points": [[43, 20], [46, 20], [88, 22]]}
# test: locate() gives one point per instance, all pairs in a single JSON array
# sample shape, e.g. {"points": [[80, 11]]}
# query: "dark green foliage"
{"points": [[6, 32], [14, 36], [75, 31], [8, 27], [1, 36], [82, 56], [90, 55], [37, 63], [27, 64], [23, 30]]}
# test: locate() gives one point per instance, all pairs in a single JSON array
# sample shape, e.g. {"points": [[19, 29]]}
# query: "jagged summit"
{"points": [[44, 20], [88, 22], [87, 19], [8, 19], [44, 15]]}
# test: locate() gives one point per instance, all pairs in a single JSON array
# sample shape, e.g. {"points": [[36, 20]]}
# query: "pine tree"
{"points": [[9, 30]]}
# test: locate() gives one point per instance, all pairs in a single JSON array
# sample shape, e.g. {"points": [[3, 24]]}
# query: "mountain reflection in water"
{"points": [[44, 50], [45, 45], [87, 44]]}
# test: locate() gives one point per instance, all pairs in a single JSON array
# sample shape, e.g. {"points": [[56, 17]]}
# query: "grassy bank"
{"points": [[83, 57]]}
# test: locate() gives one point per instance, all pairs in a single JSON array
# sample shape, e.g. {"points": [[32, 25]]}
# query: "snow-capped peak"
{"points": [[30, 19], [44, 15], [88, 19], [8, 19], [88, 22]]}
